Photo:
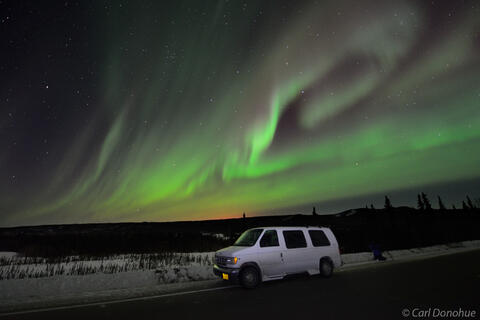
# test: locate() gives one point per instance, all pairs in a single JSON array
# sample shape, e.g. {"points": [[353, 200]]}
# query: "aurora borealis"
{"points": [[162, 111]]}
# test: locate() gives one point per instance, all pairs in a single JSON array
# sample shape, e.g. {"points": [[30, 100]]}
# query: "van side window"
{"points": [[319, 239], [269, 239], [294, 239]]}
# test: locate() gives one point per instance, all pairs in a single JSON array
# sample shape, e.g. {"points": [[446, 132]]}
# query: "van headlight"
{"points": [[231, 260]]}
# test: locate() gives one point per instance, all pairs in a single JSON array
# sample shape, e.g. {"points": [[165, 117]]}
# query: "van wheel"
{"points": [[326, 268], [249, 277]]}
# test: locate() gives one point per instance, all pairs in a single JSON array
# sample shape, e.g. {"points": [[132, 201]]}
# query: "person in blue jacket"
{"points": [[377, 252]]}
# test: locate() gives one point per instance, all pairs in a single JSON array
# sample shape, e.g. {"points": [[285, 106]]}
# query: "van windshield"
{"points": [[248, 238]]}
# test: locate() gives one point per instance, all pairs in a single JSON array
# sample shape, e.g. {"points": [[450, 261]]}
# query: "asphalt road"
{"points": [[381, 291]]}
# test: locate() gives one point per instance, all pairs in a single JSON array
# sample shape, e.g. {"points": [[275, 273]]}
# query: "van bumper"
{"points": [[232, 272]]}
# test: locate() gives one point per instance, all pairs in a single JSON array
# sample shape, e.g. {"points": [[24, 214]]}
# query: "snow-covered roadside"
{"points": [[7, 254], [29, 281], [73, 284], [14, 267], [352, 259], [63, 289]]}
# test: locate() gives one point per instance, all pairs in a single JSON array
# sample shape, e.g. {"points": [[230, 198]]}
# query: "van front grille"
{"points": [[221, 261]]}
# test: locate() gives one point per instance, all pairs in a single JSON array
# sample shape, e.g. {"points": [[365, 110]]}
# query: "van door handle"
{"points": [[281, 254]]}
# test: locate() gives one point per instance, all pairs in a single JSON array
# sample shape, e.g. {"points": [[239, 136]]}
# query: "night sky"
{"points": [[177, 110]]}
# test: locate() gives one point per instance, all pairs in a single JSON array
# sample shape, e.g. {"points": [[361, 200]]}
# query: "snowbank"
{"points": [[19, 267], [364, 257], [7, 254], [26, 279]]}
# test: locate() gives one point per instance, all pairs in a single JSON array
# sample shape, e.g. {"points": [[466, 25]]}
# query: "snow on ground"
{"points": [[19, 267], [7, 254], [363, 257], [34, 280], [349, 258], [24, 278]]}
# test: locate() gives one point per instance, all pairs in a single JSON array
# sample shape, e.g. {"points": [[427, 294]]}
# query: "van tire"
{"points": [[249, 277], [326, 268]]}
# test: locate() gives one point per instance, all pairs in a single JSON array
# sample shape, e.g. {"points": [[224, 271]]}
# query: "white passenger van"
{"points": [[269, 253]]}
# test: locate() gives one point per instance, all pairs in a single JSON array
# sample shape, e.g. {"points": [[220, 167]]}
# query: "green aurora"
{"points": [[207, 110]]}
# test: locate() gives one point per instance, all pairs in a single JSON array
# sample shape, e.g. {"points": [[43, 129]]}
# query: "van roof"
{"points": [[289, 227]]}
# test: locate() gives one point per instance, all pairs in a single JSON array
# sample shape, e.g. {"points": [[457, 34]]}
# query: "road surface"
{"points": [[382, 291]]}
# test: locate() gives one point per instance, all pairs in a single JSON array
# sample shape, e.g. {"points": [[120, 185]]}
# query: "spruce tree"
{"points": [[314, 212], [420, 204], [426, 202], [470, 203], [388, 204], [440, 204], [464, 206]]}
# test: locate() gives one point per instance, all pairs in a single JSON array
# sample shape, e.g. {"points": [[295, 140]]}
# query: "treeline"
{"points": [[423, 203], [403, 227], [107, 242]]}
